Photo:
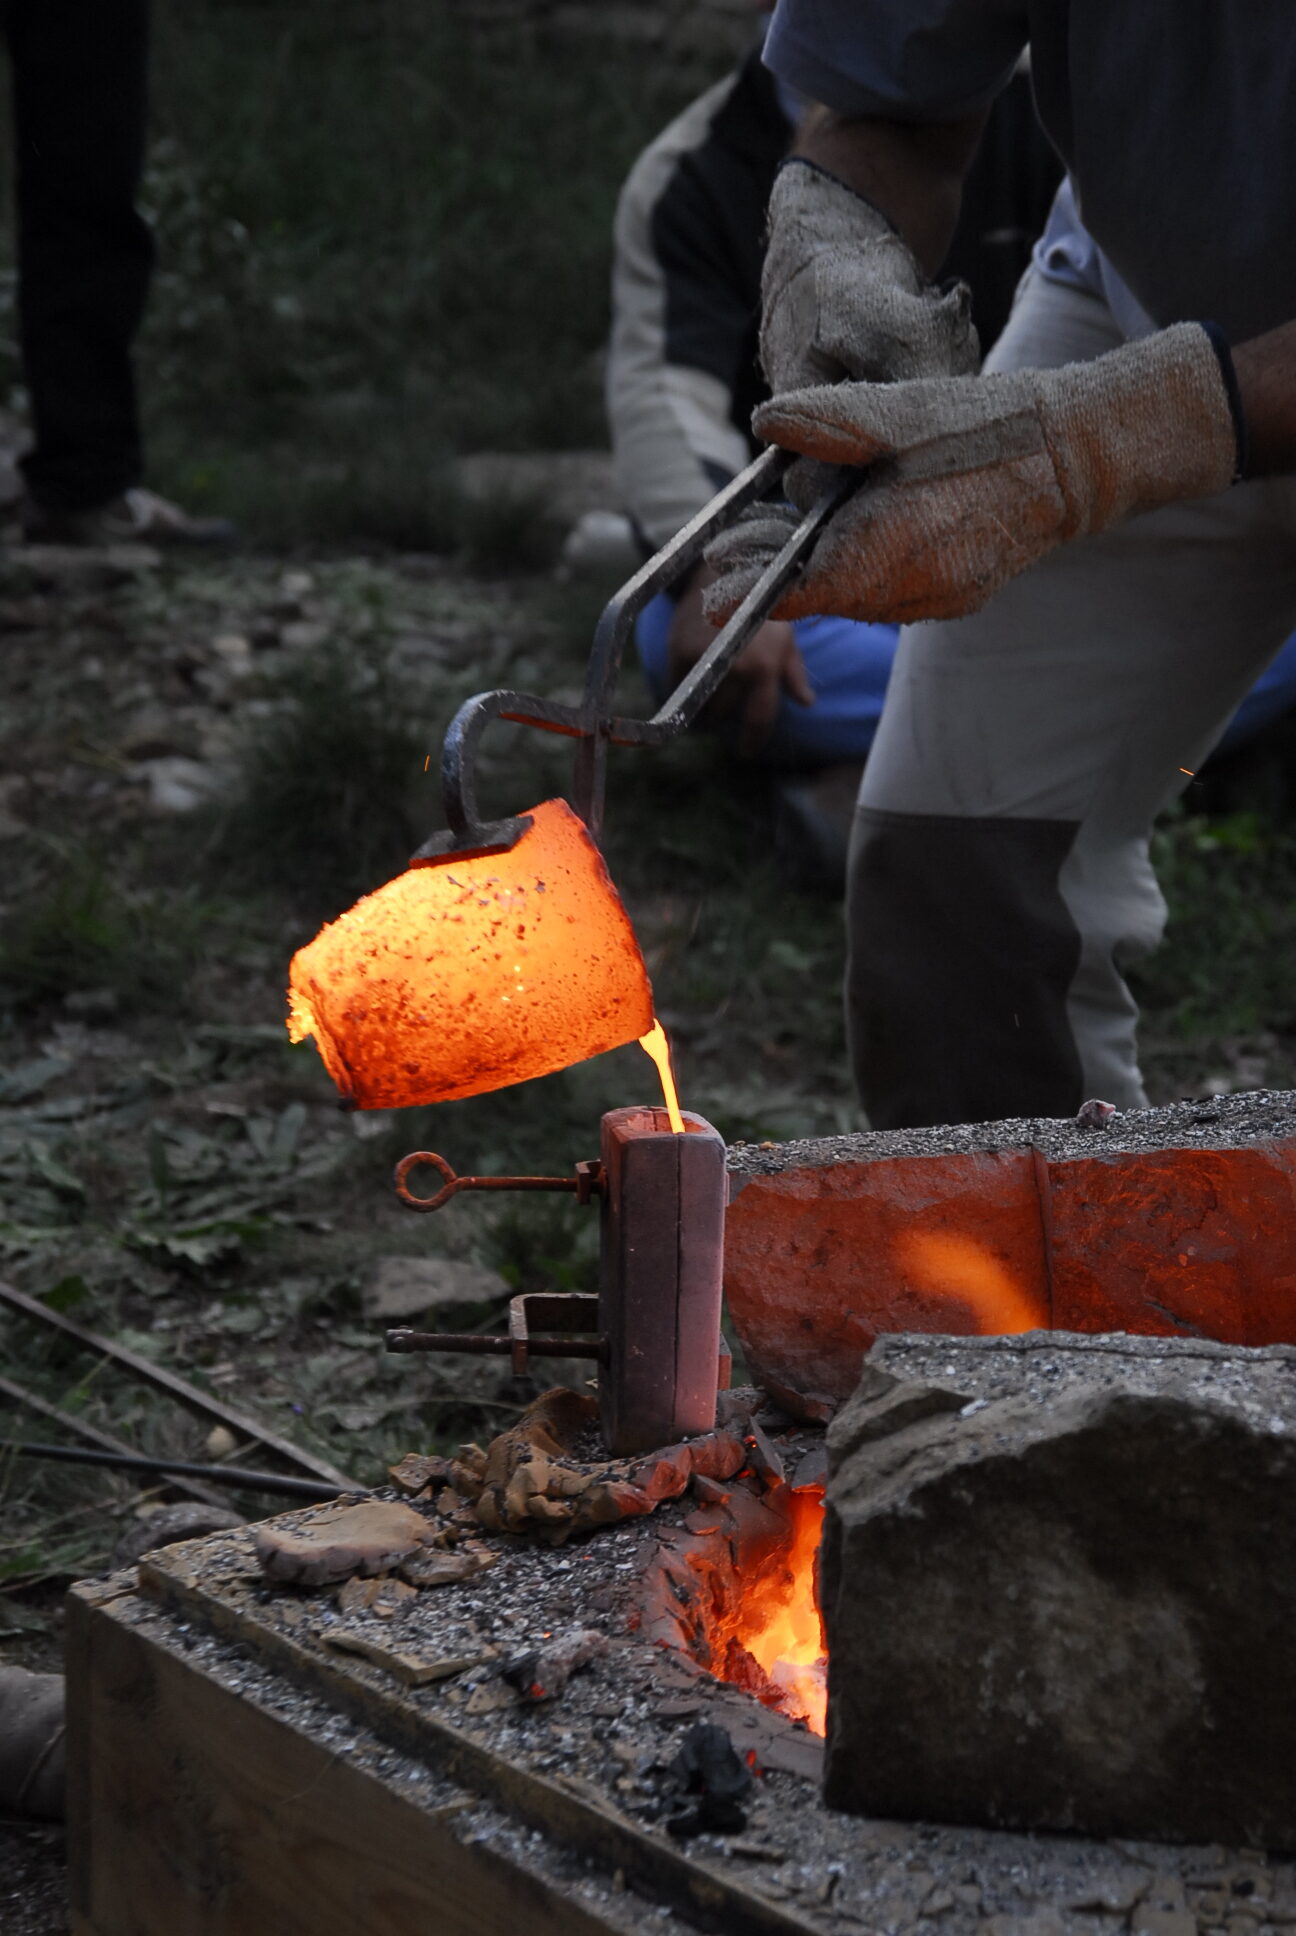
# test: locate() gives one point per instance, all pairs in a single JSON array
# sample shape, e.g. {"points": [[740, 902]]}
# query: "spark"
{"points": [[1188, 770]]}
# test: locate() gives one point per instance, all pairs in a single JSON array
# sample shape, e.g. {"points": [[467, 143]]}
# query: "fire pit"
{"points": [[252, 1757], [736, 1589]]}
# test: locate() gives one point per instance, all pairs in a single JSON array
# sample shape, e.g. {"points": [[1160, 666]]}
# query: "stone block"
{"points": [[1059, 1582]]}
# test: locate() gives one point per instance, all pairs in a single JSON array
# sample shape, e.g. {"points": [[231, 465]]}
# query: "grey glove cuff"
{"points": [[816, 168], [1219, 342], [1143, 426], [844, 296]]}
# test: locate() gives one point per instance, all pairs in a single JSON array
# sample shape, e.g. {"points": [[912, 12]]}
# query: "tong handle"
{"points": [[591, 723], [666, 566], [702, 679]]}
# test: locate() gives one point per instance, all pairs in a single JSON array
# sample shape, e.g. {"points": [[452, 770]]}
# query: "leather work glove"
{"points": [[842, 296], [972, 479]]}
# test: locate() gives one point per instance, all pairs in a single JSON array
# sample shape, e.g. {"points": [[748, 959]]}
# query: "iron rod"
{"points": [[82, 1429], [180, 1388], [233, 1476], [577, 1344]]}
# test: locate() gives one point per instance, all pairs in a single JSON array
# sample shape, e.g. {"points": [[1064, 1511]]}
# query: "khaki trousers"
{"points": [[999, 872]]}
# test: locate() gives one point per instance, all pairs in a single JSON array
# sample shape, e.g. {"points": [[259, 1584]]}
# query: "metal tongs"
{"points": [[592, 723]]}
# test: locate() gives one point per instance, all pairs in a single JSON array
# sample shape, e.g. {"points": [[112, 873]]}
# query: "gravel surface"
{"points": [[33, 1878], [615, 1730], [1214, 1122], [1259, 1382]]}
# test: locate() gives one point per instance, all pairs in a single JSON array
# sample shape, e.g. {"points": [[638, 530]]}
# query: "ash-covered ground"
{"points": [[615, 1731]]}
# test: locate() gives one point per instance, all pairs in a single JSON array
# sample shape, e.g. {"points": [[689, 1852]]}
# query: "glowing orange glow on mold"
{"points": [[780, 1625], [960, 1267], [469, 975]]}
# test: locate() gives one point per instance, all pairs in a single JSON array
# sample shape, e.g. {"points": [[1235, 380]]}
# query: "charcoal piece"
{"points": [[541, 1673], [520, 1672], [710, 1779]]}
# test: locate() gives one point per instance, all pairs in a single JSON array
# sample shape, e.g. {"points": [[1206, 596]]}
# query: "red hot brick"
{"points": [[1179, 1221]]}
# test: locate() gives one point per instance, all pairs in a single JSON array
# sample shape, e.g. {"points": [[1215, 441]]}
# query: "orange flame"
{"points": [[781, 1627], [472, 974], [960, 1267]]}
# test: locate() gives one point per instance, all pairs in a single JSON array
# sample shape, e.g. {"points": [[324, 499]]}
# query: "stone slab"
{"points": [[1060, 1587]]}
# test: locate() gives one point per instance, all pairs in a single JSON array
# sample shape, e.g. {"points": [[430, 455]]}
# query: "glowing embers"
{"points": [[776, 1649], [469, 975]]}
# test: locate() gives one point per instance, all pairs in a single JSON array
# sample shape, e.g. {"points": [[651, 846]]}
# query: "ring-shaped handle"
{"points": [[417, 1159]]}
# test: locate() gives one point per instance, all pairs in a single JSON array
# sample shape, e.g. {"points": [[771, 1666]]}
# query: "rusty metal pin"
{"points": [[486, 1344], [586, 1183]]}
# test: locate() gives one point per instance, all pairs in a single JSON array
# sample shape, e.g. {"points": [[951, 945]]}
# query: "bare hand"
{"points": [[768, 666]]}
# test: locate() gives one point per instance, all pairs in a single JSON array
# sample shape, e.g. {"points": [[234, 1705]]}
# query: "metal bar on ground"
{"points": [[493, 1344], [235, 1477], [19, 1395], [179, 1388]]}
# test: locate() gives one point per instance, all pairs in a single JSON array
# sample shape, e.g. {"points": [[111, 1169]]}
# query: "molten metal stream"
{"points": [[654, 1044]]}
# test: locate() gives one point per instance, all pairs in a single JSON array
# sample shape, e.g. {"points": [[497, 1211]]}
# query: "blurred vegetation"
{"points": [[1226, 966], [78, 934], [384, 237], [323, 809]]}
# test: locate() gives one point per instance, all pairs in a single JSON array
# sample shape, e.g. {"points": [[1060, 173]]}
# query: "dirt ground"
{"points": [[199, 762]]}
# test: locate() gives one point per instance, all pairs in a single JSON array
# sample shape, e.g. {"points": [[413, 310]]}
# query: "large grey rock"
{"points": [[187, 1519], [406, 1287], [32, 1755], [1059, 1581]]}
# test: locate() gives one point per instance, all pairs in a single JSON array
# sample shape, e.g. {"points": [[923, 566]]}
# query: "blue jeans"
{"points": [[847, 663]]}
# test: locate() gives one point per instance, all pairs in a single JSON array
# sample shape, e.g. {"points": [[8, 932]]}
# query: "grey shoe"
{"points": [[136, 517], [32, 1759]]}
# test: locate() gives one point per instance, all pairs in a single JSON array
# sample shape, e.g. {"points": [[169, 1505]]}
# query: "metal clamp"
{"points": [[571, 1318]]}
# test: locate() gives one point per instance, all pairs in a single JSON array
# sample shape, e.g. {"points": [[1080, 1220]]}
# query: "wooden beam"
{"points": [[195, 1810], [204, 1582]]}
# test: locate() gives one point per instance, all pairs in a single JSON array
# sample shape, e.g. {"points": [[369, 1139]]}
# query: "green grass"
{"points": [[80, 931], [384, 236], [1225, 967], [325, 807]]}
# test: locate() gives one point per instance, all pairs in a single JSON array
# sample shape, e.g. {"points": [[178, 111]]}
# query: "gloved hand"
{"points": [[842, 296], [975, 478]]}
